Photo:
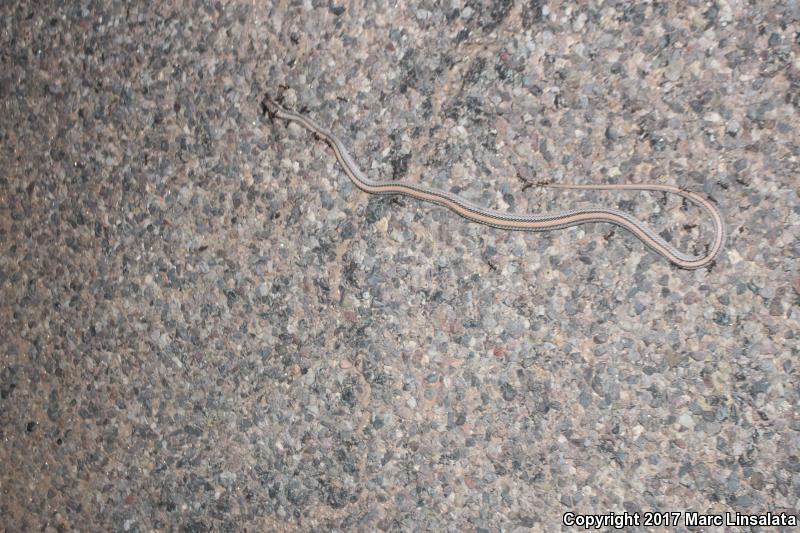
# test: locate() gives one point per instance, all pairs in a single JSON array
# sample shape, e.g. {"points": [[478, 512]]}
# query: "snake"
{"points": [[527, 221]]}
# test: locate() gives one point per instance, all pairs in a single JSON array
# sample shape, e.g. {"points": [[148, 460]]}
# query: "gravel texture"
{"points": [[205, 326]]}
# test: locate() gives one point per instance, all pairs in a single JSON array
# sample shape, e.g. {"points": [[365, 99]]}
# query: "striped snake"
{"points": [[529, 222]]}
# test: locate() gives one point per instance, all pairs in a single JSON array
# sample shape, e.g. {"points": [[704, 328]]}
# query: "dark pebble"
{"points": [[509, 392]]}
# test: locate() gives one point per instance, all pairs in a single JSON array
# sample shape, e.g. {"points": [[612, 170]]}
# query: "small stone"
{"points": [[757, 480], [686, 421], [509, 392], [585, 399], [658, 143], [722, 318], [674, 70], [698, 356], [532, 87]]}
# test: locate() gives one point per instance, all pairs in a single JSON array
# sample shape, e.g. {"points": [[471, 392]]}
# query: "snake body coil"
{"points": [[530, 222]]}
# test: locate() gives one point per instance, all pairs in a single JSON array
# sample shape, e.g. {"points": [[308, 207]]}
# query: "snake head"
{"points": [[270, 107]]}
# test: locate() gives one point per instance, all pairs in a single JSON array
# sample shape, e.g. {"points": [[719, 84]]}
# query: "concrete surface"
{"points": [[205, 327]]}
